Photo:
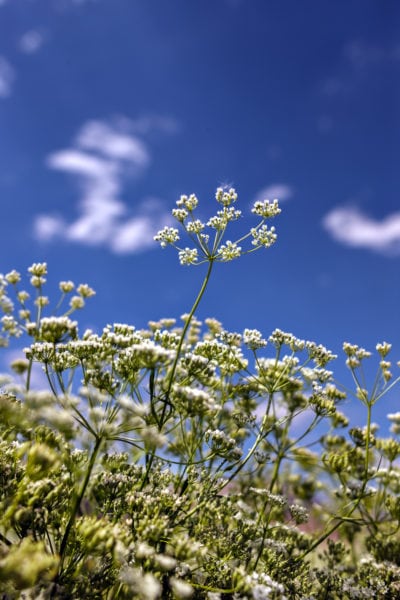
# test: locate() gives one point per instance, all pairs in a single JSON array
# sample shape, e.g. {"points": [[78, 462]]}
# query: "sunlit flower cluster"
{"points": [[253, 339], [209, 247]]}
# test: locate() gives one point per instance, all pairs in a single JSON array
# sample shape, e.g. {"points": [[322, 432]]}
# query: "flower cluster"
{"points": [[253, 339], [31, 320], [208, 247]]}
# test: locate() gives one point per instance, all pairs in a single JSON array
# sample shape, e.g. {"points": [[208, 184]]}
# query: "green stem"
{"points": [[184, 331], [28, 375], [52, 387], [175, 363], [346, 517], [241, 463], [277, 466], [77, 502]]}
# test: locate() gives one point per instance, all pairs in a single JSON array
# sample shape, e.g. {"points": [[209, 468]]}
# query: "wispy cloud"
{"points": [[281, 191], [137, 233], [362, 55], [113, 141], [31, 41], [150, 123], [7, 77], [358, 60], [351, 227], [103, 157]]}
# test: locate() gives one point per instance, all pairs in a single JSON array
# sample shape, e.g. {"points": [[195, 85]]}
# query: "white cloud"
{"points": [[48, 227], [360, 59], [102, 158], [351, 227], [362, 55], [148, 123], [78, 162], [281, 191], [105, 139], [31, 41], [137, 233], [7, 77]]}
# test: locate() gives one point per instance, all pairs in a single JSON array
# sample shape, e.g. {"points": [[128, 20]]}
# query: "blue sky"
{"points": [[111, 109]]}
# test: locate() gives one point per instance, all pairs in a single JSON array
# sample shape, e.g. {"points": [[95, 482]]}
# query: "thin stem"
{"points": [[77, 502], [386, 390], [184, 331], [175, 363], [52, 387], [277, 465], [260, 436], [28, 375], [346, 517]]}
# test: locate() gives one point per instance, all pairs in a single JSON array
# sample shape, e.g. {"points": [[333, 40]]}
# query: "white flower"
{"points": [[180, 588], [84, 348], [13, 276], [253, 339], [223, 217], [38, 269], [216, 223], [225, 197], [22, 296], [53, 329], [11, 326], [263, 236], [165, 562], [145, 585], [266, 209], [190, 202], [40, 351], [85, 291], [77, 302], [168, 235], [188, 256], [195, 226], [195, 401], [394, 417], [66, 286], [299, 513], [180, 214], [229, 214], [229, 251], [383, 348]]}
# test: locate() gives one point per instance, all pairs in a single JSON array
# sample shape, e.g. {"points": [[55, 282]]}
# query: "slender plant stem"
{"points": [[77, 501], [184, 331], [166, 400], [342, 519], [260, 436]]}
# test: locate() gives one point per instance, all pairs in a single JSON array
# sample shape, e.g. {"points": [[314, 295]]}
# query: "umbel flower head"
{"points": [[207, 237]]}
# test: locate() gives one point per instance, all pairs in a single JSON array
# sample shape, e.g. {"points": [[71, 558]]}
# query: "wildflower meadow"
{"points": [[187, 461]]}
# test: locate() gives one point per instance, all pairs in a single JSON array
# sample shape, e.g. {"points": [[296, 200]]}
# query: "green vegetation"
{"points": [[187, 461]]}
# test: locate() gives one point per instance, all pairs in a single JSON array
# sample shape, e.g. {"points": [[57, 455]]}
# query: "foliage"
{"points": [[187, 461]]}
